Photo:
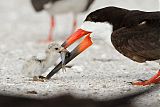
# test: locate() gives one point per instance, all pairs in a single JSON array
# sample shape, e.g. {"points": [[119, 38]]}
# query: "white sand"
{"points": [[21, 27]]}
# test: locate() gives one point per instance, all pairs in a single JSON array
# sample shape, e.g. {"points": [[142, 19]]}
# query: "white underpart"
{"points": [[158, 61], [64, 6], [100, 31], [38, 65]]}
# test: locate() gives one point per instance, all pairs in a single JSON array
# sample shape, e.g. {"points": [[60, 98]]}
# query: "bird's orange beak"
{"points": [[86, 42], [74, 37]]}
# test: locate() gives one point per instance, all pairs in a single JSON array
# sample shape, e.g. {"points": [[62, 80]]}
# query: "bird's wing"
{"points": [[38, 5], [136, 17], [137, 40], [139, 43]]}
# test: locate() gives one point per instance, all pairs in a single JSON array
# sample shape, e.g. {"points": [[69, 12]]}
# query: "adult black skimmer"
{"points": [[54, 7], [136, 35]]}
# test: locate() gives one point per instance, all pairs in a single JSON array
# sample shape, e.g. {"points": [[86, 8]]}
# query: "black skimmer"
{"points": [[54, 7], [136, 35], [37, 65]]}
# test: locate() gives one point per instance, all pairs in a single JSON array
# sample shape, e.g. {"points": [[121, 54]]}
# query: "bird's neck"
{"points": [[116, 21]]}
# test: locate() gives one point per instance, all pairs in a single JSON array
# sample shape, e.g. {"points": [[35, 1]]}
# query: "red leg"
{"points": [[50, 36], [74, 24], [153, 80]]}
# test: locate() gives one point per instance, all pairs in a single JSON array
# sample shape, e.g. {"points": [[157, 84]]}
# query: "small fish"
{"points": [[63, 56]]}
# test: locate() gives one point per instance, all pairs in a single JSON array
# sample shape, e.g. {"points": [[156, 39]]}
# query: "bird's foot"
{"points": [[142, 83], [154, 80], [39, 78]]}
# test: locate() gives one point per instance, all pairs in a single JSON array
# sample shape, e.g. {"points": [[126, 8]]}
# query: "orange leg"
{"points": [[157, 80], [50, 36], [153, 80]]}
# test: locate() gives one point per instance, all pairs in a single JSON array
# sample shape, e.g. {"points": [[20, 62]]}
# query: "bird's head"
{"points": [[56, 48], [108, 14]]}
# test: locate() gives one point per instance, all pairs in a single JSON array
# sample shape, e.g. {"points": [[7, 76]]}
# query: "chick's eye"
{"points": [[56, 48]]}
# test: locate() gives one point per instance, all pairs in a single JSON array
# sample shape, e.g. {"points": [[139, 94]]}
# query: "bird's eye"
{"points": [[56, 48], [89, 19], [94, 18]]}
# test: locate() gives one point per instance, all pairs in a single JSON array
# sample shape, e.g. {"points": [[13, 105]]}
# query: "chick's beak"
{"points": [[86, 42]]}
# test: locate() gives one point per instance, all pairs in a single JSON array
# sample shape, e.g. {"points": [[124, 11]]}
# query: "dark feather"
{"points": [[139, 41], [39, 4], [112, 15], [88, 5]]}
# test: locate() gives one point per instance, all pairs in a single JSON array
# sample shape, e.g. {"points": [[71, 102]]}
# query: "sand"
{"points": [[100, 72]]}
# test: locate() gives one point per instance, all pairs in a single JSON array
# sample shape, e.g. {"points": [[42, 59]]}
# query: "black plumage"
{"points": [[136, 34], [39, 4]]}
